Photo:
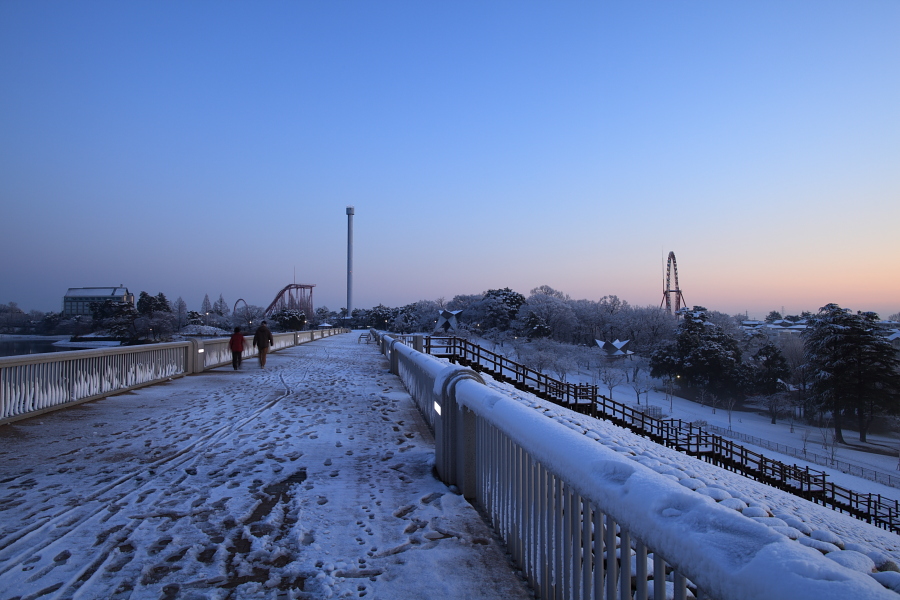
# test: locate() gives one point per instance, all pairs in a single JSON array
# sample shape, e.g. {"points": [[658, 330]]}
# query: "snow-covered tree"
{"points": [[418, 317], [641, 383], [206, 306], [221, 307], [148, 305], [702, 357], [547, 313], [247, 316], [290, 319], [116, 318], [792, 349], [854, 367], [647, 328], [611, 375], [381, 316], [12, 317], [773, 316], [499, 308], [769, 370]]}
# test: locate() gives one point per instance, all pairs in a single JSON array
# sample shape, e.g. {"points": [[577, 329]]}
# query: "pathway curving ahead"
{"points": [[311, 478]]}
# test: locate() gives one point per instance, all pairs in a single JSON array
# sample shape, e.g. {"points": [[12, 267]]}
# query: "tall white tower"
{"points": [[350, 212]]}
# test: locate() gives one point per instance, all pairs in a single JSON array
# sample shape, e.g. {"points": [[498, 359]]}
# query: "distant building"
{"points": [[783, 327], [77, 301]]}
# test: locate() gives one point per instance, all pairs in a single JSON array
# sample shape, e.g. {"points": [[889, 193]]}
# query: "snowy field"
{"points": [[311, 478]]}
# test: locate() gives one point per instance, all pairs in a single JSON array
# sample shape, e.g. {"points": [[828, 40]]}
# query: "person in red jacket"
{"points": [[236, 343]]}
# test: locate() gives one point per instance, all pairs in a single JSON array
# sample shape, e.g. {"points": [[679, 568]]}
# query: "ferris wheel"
{"points": [[668, 291]]}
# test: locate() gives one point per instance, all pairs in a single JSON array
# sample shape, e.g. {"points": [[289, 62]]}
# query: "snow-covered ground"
{"points": [[756, 424], [311, 478]]}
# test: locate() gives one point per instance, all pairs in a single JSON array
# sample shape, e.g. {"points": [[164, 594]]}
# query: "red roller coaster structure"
{"points": [[668, 292], [293, 296]]}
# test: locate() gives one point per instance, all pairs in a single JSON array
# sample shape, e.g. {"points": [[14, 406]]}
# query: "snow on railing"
{"points": [[40, 382], [37, 383], [570, 510]]}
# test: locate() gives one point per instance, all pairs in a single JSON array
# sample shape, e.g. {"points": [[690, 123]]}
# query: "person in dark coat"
{"points": [[236, 343], [262, 339]]}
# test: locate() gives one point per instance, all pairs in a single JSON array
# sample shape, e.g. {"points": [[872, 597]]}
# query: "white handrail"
{"points": [[37, 383]]}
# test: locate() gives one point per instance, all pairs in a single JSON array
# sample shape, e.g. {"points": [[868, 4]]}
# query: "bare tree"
{"points": [[641, 383], [730, 403], [561, 366], [612, 377], [180, 309]]}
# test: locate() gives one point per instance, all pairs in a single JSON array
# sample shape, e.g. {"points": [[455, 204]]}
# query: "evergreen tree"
{"points": [[206, 307], [703, 357], [769, 370], [117, 318], [500, 308], [146, 304], [221, 307], [290, 319], [854, 367], [380, 316], [162, 303], [181, 312]]}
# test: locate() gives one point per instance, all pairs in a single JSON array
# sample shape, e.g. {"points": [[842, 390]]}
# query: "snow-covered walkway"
{"points": [[311, 478]]}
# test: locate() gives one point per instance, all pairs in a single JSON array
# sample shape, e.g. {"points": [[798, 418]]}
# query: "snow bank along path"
{"points": [[311, 478]]}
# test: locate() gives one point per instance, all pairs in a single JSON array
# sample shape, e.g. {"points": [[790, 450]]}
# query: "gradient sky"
{"points": [[199, 148]]}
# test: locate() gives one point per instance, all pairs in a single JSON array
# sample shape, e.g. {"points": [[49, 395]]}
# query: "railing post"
{"points": [[197, 362], [395, 366], [454, 434], [419, 343]]}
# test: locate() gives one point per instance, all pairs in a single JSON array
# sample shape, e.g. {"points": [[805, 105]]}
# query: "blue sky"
{"points": [[212, 147]]}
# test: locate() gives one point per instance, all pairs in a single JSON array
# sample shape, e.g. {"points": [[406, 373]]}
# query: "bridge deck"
{"points": [[313, 474]]}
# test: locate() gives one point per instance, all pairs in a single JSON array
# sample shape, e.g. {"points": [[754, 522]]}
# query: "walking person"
{"points": [[262, 339], [236, 343]]}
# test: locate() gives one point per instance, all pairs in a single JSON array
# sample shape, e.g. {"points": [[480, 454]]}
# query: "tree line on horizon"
{"points": [[841, 369]]}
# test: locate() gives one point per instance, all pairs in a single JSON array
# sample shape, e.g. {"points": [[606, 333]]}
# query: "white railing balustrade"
{"points": [[41, 382], [37, 383], [583, 521]]}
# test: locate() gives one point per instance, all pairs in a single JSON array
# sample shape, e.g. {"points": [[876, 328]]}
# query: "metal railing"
{"points": [[37, 383], [849, 468], [582, 521]]}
